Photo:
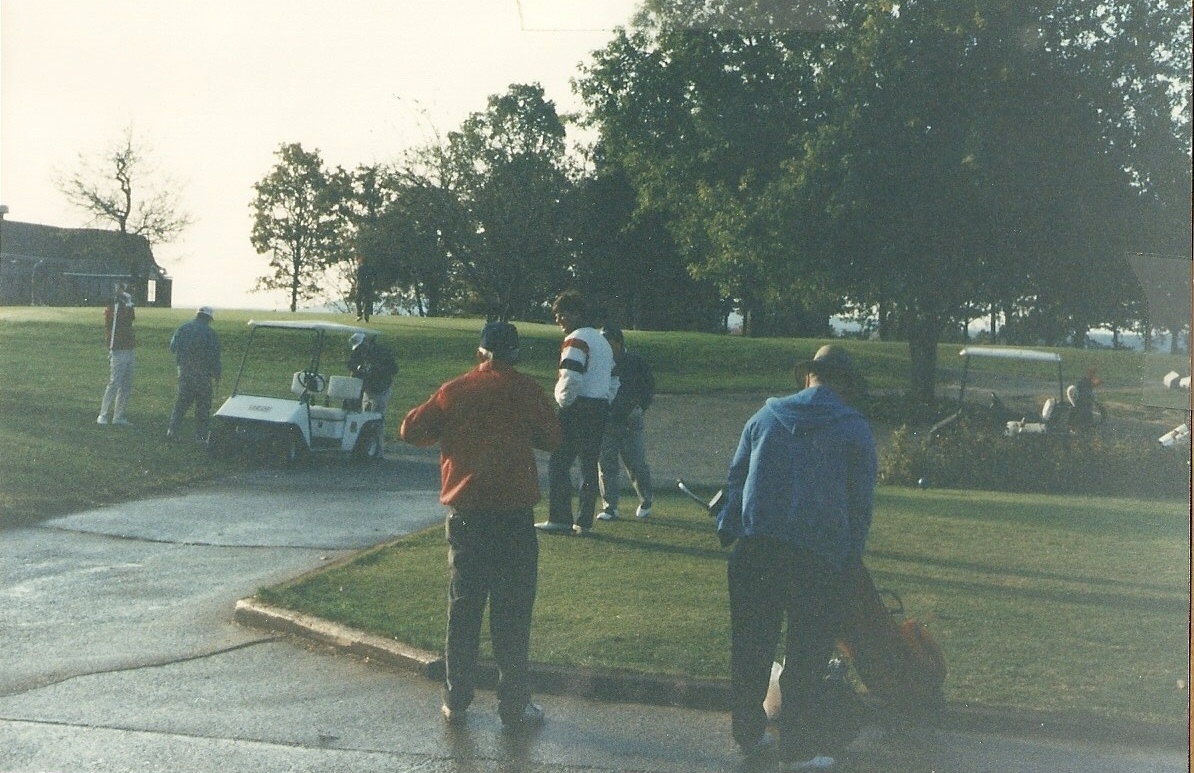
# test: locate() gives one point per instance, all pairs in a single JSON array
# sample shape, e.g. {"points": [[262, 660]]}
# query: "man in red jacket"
{"points": [[118, 323], [488, 423]]}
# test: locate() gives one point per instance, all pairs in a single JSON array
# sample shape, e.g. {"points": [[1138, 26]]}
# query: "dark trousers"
{"points": [[192, 389], [493, 556], [768, 581], [583, 425]]}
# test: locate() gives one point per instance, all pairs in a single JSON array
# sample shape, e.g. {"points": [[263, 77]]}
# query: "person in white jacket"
{"points": [[584, 390]]}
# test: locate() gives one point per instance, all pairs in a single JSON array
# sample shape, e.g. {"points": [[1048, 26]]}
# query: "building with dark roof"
{"points": [[44, 265]]}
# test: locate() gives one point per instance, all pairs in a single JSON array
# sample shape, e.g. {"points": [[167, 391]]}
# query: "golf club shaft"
{"points": [[683, 487]]}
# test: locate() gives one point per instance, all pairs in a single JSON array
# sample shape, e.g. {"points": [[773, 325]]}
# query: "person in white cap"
{"points": [[373, 363], [196, 349]]}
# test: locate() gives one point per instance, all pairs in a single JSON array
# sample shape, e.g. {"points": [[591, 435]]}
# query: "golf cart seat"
{"points": [[1049, 415], [345, 388]]}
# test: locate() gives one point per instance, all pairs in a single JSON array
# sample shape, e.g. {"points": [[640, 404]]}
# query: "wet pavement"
{"points": [[120, 654]]}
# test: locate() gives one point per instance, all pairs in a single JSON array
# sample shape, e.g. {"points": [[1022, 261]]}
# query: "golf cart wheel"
{"points": [[370, 445], [292, 447]]}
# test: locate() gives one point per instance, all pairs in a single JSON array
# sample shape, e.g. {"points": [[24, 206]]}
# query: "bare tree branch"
{"points": [[118, 187]]}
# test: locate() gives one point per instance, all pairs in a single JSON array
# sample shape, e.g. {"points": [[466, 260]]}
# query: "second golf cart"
{"points": [[287, 413]]}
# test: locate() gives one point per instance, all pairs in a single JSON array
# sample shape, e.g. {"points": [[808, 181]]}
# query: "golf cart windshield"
{"points": [[279, 349], [1011, 371]]}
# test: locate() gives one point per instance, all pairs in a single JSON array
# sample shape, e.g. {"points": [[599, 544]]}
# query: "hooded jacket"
{"points": [[804, 473]]}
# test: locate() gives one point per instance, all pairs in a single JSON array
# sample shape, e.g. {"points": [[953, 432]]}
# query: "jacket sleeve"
{"points": [[729, 520], [217, 369], [648, 386], [424, 424], [574, 361]]}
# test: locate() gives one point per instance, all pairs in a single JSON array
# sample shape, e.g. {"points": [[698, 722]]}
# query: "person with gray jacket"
{"points": [[196, 349]]}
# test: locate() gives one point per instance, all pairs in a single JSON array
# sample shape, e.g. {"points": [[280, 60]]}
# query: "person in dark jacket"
{"points": [[366, 275], [798, 504], [624, 441], [118, 322], [488, 423], [196, 349], [374, 364]]}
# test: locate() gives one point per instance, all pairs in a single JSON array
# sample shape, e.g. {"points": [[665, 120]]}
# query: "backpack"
{"points": [[897, 658]]}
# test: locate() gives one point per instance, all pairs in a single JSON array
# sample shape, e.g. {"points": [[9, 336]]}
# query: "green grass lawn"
{"points": [[1045, 603], [1040, 602], [55, 459]]}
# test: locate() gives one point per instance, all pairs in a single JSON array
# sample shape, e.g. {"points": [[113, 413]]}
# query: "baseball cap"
{"points": [[356, 339], [500, 339], [206, 311]]}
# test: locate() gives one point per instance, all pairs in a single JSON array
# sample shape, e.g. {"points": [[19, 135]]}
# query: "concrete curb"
{"points": [[702, 694]]}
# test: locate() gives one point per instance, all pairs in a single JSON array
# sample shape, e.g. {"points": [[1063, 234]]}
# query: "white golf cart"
{"points": [[291, 413], [1015, 414]]}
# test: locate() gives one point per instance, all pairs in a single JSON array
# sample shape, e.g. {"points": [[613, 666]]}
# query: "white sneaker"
{"points": [[581, 531], [122, 422], [607, 515], [101, 419], [643, 511], [553, 527], [820, 762]]}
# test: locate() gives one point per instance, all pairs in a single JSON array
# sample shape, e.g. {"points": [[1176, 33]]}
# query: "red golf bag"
{"points": [[895, 657]]}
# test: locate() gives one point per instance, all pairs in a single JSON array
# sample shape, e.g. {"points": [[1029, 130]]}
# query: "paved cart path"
{"points": [[120, 654]]}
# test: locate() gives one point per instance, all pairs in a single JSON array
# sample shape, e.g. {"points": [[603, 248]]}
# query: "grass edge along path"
{"points": [[1034, 612]]}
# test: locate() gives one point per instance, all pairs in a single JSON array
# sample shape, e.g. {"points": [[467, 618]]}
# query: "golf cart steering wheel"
{"points": [[311, 381]]}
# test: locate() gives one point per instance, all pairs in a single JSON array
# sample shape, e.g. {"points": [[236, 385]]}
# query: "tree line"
{"points": [[917, 165]]}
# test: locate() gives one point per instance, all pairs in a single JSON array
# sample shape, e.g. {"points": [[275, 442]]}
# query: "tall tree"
{"points": [[298, 218], [967, 159], [701, 105], [367, 191], [121, 187], [509, 168], [415, 240], [628, 261]]}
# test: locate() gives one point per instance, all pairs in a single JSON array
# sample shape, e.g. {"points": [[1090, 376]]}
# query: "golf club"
{"points": [[712, 506]]}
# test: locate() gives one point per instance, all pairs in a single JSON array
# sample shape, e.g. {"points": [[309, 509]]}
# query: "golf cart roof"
{"points": [[326, 327], [1006, 353]]}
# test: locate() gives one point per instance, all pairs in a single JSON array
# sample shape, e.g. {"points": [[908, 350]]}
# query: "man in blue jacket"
{"points": [[196, 349], [798, 505]]}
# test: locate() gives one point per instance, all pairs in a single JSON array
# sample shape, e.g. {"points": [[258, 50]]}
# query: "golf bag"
{"points": [[895, 657]]}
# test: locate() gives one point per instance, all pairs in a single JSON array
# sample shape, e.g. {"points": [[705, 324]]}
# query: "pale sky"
{"points": [[213, 88]]}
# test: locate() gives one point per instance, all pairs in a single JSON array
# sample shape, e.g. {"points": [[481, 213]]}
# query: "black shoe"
{"points": [[531, 716], [453, 716]]}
